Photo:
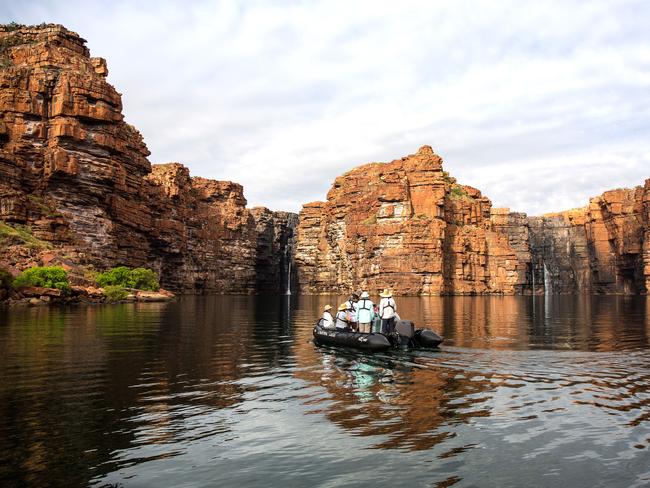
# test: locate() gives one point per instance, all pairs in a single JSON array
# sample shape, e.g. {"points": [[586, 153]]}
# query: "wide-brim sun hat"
{"points": [[343, 306], [365, 295], [327, 307], [386, 293]]}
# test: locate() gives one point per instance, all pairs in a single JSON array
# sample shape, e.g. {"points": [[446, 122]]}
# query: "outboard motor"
{"points": [[404, 331]]}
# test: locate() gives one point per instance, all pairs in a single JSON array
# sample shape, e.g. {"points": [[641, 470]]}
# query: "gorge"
{"points": [[77, 189]]}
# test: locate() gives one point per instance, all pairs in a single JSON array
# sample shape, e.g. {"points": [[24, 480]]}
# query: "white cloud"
{"points": [[539, 105]]}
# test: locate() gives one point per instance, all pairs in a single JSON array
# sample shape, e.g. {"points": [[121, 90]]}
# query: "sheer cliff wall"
{"points": [[405, 225], [409, 226], [601, 248], [75, 176]]}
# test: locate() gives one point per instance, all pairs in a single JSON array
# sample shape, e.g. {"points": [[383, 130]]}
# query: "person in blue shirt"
{"points": [[365, 312]]}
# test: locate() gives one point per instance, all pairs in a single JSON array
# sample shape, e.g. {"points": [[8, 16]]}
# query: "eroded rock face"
{"points": [[406, 225], [409, 226], [76, 175], [598, 248]]}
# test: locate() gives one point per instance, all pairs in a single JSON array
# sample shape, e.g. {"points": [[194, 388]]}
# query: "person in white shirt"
{"points": [[328, 320], [365, 312], [387, 312], [342, 320]]}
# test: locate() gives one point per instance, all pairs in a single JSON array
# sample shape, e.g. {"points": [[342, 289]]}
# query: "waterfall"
{"points": [[292, 222], [532, 265], [289, 277], [547, 281]]}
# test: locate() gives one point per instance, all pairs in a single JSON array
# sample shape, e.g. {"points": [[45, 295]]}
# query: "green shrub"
{"points": [[115, 293], [44, 276], [144, 279], [116, 276], [139, 278], [19, 234], [6, 279]]}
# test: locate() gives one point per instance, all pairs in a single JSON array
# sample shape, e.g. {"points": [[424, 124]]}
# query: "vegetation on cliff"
{"points": [[138, 278], [18, 234], [44, 277], [115, 293]]}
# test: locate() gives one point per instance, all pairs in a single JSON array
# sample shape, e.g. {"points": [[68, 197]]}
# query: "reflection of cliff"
{"points": [[411, 401], [410, 226], [404, 401], [83, 384]]}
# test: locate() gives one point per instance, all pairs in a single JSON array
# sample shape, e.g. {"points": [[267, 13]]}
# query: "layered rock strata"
{"points": [[75, 176], [600, 248], [406, 225], [409, 226]]}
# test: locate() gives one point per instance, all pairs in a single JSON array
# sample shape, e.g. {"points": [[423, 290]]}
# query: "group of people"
{"points": [[358, 313]]}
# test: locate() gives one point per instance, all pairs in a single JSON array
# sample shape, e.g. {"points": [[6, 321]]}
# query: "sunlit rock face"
{"points": [[409, 226], [405, 225], [601, 248], [75, 173]]}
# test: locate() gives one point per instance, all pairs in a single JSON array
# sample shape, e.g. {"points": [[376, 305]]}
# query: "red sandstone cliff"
{"points": [[409, 226], [406, 225], [75, 175], [76, 188], [598, 248]]}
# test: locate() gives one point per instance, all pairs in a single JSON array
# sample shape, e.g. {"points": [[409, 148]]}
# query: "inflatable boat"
{"points": [[405, 336]]}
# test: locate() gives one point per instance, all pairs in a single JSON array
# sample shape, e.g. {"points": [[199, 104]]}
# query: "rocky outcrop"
{"points": [[76, 178], [409, 226], [515, 225], [598, 248], [406, 225]]}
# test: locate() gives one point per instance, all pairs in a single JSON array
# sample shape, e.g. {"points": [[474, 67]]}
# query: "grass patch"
{"points": [[19, 234], [370, 220], [458, 192], [447, 178], [44, 207]]}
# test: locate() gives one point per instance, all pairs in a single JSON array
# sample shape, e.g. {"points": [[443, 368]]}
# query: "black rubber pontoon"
{"points": [[405, 336], [427, 338], [367, 342]]}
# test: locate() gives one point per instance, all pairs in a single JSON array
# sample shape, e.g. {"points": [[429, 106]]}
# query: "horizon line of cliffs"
{"points": [[409, 226], [77, 189]]}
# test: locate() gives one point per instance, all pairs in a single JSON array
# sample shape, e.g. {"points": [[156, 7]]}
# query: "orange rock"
{"points": [[404, 225], [77, 175]]}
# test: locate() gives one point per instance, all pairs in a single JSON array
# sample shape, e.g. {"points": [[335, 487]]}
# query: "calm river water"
{"points": [[231, 392]]}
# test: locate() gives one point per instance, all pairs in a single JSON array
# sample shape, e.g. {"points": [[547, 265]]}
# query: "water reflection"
{"points": [[204, 388]]}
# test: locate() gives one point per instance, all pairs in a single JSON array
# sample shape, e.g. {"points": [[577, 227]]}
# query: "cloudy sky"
{"points": [[538, 104]]}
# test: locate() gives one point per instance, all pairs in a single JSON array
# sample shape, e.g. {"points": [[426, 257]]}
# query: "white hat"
{"points": [[365, 295], [327, 307]]}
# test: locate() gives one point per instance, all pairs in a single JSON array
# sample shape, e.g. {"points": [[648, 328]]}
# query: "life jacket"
{"points": [[390, 303], [364, 307], [339, 319]]}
